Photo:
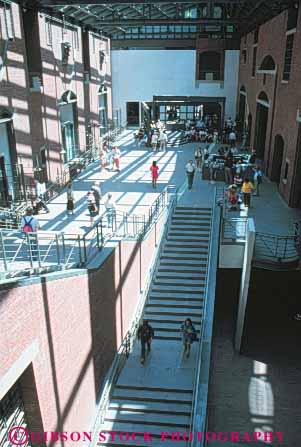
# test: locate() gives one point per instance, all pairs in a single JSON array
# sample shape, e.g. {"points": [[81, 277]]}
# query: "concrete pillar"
{"points": [[245, 280]]}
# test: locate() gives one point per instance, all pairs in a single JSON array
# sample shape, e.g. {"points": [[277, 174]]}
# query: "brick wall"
{"points": [[78, 322], [36, 113], [284, 97]]}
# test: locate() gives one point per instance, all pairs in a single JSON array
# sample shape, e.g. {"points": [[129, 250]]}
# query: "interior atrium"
{"points": [[150, 223]]}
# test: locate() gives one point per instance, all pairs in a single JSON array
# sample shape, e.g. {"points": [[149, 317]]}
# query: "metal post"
{"points": [[57, 249], [3, 250], [38, 248], [79, 249], [85, 248], [29, 246], [63, 247], [101, 234], [97, 235]]}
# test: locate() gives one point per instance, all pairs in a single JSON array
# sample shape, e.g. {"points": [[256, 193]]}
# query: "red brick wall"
{"points": [[287, 98], [14, 89], [78, 322], [36, 114]]}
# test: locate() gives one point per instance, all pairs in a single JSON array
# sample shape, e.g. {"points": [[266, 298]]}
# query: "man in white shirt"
{"points": [[40, 192], [110, 210], [163, 141], [257, 178], [190, 170], [155, 138], [232, 138]]}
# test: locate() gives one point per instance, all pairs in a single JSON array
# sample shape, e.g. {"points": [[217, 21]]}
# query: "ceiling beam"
{"points": [[162, 21], [124, 2]]}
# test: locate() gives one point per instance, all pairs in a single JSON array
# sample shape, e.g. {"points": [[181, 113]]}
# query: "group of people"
{"points": [[110, 157], [146, 334]]}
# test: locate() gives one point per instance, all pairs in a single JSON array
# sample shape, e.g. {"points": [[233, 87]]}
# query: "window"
{"points": [[254, 61], [75, 42], [292, 17], [288, 57], [256, 34], [210, 66], [93, 44], [48, 34], [244, 56], [7, 23], [101, 59], [286, 171]]}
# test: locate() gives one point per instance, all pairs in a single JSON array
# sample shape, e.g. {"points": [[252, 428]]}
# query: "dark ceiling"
{"points": [[157, 19]]}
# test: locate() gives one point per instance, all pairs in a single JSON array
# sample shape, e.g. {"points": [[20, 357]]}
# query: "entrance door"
{"points": [[132, 113], [262, 115], [3, 183], [68, 140], [277, 159]]}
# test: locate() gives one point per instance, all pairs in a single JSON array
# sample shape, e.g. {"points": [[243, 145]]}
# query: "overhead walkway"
{"points": [[162, 396]]}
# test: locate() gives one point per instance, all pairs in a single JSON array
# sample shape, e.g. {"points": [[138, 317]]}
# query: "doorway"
{"points": [[262, 115], [4, 191], [242, 112], [277, 159], [249, 129], [132, 113]]}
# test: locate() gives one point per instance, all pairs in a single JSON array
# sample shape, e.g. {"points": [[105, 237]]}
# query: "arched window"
{"points": [[263, 99], [210, 66], [68, 97], [5, 115], [267, 66]]}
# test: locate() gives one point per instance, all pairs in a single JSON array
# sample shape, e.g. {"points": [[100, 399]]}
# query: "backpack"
{"points": [[27, 228]]}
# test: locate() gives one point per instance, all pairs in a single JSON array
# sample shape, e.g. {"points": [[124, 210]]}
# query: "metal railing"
{"points": [[234, 229], [131, 335], [196, 391], [276, 249], [26, 253]]}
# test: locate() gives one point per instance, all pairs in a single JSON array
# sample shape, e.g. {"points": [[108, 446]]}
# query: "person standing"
{"points": [[30, 226], [40, 192], [70, 199], [97, 194], [198, 158], [247, 189], [189, 335], [190, 170], [145, 335], [110, 210], [154, 141], [257, 178], [228, 169], [163, 141], [116, 158], [91, 206], [154, 171], [232, 138]]}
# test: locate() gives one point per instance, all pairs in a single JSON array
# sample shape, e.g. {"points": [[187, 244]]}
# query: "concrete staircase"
{"points": [[157, 397]]}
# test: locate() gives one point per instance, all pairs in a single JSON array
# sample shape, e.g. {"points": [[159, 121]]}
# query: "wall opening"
{"points": [[210, 63], [132, 113], [69, 125], [277, 159], [262, 115]]}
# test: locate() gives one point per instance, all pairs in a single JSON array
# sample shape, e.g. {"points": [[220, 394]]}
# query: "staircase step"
{"points": [[152, 407], [172, 320], [130, 417], [171, 267], [171, 327], [178, 274], [182, 300], [139, 442], [195, 282], [152, 394], [176, 296], [190, 257], [195, 244], [180, 289], [182, 312], [167, 304], [155, 430], [184, 238]]}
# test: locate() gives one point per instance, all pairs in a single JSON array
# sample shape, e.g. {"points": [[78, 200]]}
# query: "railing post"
{"points": [[97, 235], [63, 247], [3, 250], [79, 249], [85, 248], [38, 248], [30, 251], [101, 233], [57, 249]]}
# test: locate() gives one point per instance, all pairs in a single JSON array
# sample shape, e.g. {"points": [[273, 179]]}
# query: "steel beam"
{"points": [[125, 2], [142, 22]]}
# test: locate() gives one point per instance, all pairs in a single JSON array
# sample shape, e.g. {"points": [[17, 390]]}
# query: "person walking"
{"points": [[163, 140], [247, 189], [30, 226], [257, 178], [154, 171], [145, 335], [40, 193], [189, 335], [110, 210], [154, 141], [190, 170], [198, 158], [91, 206], [116, 158], [70, 199], [97, 194]]}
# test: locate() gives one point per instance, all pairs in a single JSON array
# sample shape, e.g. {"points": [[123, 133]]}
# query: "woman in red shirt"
{"points": [[154, 170]]}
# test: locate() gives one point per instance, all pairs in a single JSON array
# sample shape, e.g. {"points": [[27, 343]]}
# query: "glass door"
{"points": [[68, 140]]}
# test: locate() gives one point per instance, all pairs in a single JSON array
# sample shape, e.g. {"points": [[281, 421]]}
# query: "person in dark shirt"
{"points": [[145, 335]]}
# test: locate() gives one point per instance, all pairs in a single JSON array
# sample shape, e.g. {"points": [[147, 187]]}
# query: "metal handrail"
{"points": [[130, 336], [198, 368], [275, 248]]}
